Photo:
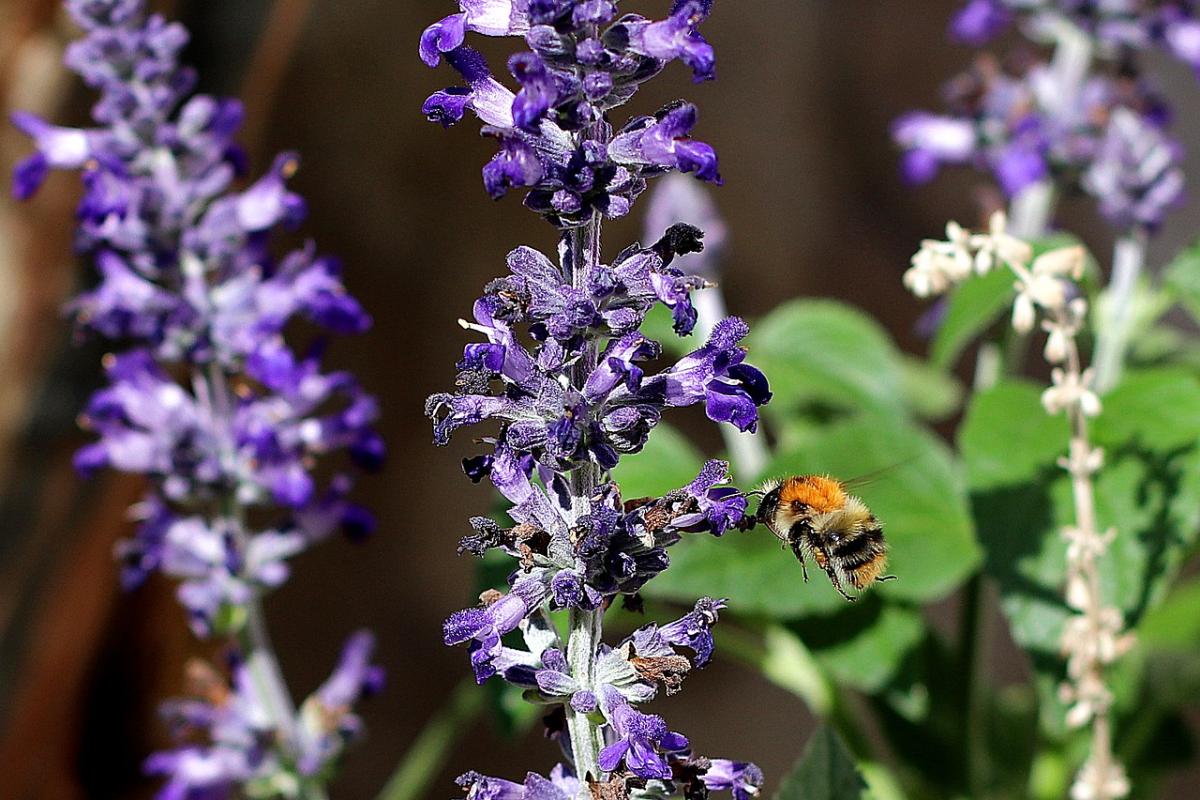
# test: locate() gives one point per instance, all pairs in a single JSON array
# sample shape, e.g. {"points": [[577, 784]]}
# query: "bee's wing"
{"points": [[874, 475]]}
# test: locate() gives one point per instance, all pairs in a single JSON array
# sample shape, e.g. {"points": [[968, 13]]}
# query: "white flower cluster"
{"points": [[1047, 288]]}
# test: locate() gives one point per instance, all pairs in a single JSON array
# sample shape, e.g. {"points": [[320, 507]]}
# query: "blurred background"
{"points": [[800, 115]]}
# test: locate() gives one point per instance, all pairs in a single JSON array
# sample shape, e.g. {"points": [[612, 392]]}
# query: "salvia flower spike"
{"points": [[563, 373], [205, 396]]}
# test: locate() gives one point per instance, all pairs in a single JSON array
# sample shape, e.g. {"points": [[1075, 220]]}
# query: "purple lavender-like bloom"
{"points": [[742, 778], [582, 63], [206, 397], [561, 785], [1136, 173], [1024, 127], [642, 741], [569, 384], [1115, 24]]}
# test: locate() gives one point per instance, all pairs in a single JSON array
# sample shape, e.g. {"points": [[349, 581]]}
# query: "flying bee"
{"points": [[817, 517]]}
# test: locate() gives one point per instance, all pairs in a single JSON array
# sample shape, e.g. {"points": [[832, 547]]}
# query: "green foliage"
{"points": [[1149, 490], [818, 353], [667, 462], [971, 309], [931, 393], [825, 772], [1183, 279]]}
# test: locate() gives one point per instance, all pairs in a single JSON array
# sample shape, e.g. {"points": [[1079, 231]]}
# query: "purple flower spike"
{"points": [[560, 371], [205, 397]]}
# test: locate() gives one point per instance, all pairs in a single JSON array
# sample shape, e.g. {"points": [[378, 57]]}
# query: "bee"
{"points": [[816, 516]]}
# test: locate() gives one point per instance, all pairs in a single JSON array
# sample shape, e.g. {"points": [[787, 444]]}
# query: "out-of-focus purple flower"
{"points": [[1025, 127], [207, 398], [742, 778], [1114, 25], [1136, 174], [979, 21], [931, 140], [327, 723], [234, 746]]}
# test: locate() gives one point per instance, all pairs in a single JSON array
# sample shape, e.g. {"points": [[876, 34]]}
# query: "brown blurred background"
{"points": [[799, 114]]}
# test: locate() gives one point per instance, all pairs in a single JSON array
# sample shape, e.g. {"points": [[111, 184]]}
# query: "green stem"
{"points": [[971, 698], [429, 753]]}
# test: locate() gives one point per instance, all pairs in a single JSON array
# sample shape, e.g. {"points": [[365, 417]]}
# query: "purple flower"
{"points": [[207, 399], [483, 627], [1025, 127], [567, 380], [1136, 174], [234, 747], [642, 741], [327, 723], [676, 38], [694, 629], [742, 778], [661, 141], [581, 64], [716, 375], [561, 785], [929, 141], [489, 17], [980, 21]]}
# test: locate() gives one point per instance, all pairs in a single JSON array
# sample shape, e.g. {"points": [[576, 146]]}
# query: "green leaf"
{"points": [[825, 772], [863, 645], [1175, 624], [1148, 490], [819, 352], [930, 392], [1183, 278], [919, 497], [971, 309], [667, 462]]}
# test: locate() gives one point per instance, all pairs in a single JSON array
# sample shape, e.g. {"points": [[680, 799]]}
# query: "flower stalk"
{"points": [[1093, 636]]}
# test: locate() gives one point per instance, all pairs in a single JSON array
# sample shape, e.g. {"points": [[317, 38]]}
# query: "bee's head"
{"points": [[768, 506]]}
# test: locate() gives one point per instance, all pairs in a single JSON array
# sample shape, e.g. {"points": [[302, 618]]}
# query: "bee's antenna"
{"points": [[754, 493]]}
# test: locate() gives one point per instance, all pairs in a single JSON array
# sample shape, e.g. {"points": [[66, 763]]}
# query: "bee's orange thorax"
{"points": [[818, 492]]}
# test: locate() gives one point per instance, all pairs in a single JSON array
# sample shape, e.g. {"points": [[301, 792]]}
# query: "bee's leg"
{"points": [[798, 549], [886, 578], [837, 584]]}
